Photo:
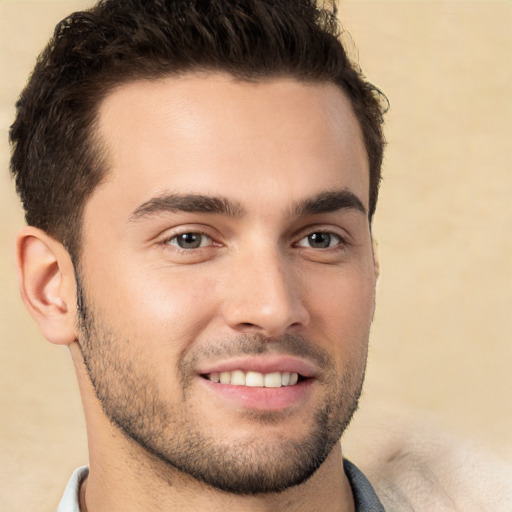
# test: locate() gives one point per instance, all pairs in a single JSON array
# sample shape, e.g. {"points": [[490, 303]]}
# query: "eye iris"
{"points": [[189, 240], [320, 240]]}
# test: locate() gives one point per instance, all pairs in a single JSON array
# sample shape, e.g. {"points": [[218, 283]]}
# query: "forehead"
{"points": [[212, 134]]}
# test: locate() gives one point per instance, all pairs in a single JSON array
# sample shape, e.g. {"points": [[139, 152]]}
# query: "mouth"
{"points": [[254, 379], [260, 383]]}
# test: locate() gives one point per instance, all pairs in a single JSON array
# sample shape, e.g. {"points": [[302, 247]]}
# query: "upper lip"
{"points": [[263, 364]]}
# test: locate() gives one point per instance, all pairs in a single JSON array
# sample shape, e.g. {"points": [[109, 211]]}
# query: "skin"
{"points": [[257, 280]]}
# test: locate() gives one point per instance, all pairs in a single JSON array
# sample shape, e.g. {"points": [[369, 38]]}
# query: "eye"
{"points": [[320, 240], [190, 240]]}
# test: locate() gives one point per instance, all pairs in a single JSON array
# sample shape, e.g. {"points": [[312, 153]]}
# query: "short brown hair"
{"points": [[56, 158]]}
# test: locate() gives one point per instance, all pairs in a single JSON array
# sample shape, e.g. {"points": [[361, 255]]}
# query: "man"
{"points": [[199, 180]]}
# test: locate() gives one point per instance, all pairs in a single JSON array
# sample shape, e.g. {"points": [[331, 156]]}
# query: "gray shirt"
{"points": [[365, 497]]}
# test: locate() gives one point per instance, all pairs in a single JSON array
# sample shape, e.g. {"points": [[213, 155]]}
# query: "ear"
{"points": [[376, 257], [47, 284]]}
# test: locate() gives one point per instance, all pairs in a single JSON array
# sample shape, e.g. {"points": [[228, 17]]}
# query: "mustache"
{"points": [[256, 344]]}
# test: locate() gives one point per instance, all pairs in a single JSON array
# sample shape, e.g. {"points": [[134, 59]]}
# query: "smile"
{"points": [[254, 379]]}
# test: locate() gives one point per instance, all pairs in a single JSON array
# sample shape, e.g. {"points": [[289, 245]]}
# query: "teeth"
{"points": [[255, 379], [238, 378], [273, 380]]}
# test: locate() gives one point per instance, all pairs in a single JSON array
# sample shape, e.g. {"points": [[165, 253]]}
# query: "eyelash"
{"points": [[168, 240], [341, 241]]}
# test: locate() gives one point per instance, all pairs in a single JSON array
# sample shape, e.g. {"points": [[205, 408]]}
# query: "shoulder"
{"points": [[416, 466], [440, 474]]}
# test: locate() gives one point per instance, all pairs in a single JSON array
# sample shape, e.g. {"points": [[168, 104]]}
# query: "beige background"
{"points": [[441, 352]]}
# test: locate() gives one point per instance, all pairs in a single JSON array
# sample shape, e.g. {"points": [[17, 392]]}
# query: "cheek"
{"points": [[159, 309], [342, 309]]}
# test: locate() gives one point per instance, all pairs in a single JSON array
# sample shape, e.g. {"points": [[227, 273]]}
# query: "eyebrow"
{"points": [[329, 201], [192, 203], [324, 202]]}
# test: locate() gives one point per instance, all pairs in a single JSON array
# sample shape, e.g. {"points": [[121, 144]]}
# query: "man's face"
{"points": [[229, 242]]}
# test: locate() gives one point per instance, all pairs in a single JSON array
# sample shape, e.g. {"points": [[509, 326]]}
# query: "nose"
{"points": [[263, 295]]}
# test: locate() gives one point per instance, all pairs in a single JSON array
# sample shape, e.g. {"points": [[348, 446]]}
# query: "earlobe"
{"points": [[47, 284]]}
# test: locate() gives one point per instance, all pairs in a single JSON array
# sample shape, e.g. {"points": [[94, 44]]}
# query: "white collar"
{"points": [[70, 501]]}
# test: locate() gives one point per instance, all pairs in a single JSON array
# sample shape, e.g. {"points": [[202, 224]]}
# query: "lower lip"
{"points": [[260, 399]]}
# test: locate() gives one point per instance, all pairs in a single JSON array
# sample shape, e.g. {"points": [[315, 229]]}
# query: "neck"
{"points": [[133, 486]]}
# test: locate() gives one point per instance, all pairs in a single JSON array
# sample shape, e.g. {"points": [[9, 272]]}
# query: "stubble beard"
{"points": [[167, 433]]}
